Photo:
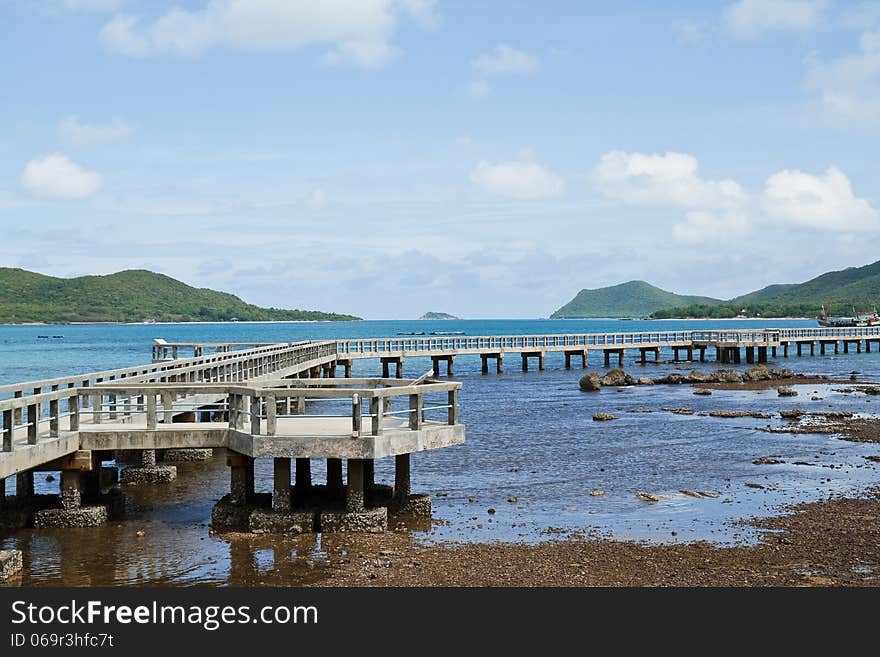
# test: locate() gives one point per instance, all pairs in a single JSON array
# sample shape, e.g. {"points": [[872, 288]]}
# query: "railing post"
{"points": [[53, 418], [416, 404], [73, 411], [167, 407], [33, 424], [271, 410], [452, 411], [7, 430], [151, 410], [377, 410], [255, 414], [355, 415]]}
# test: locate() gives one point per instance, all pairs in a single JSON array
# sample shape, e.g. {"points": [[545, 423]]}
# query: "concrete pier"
{"points": [[450, 364], [526, 355], [609, 352], [576, 353], [499, 362]]}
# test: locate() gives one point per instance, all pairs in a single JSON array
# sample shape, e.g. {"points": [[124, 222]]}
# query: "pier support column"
{"points": [[484, 364], [750, 354], [303, 481], [499, 368], [867, 346], [281, 498], [401, 477], [24, 486], [690, 354], [784, 350], [762, 354], [812, 349], [737, 355], [718, 355], [800, 348], [821, 349], [845, 347], [148, 472], [369, 474], [702, 354], [354, 494], [334, 478], [773, 352], [241, 478], [71, 490], [2, 492]]}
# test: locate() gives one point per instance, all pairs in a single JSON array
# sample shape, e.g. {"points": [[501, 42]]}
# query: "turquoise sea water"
{"points": [[530, 436]]}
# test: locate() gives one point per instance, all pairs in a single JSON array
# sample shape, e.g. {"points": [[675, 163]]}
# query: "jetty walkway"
{"points": [[284, 401]]}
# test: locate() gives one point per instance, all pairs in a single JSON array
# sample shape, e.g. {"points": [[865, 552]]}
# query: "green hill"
{"points": [[632, 299], [127, 296], [854, 286]]}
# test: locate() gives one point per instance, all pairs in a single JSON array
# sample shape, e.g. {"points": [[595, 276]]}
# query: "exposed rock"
{"points": [[672, 379], [615, 377], [600, 493], [590, 382], [727, 413], [645, 381], [793, 414], [512, 500], [678, 411], [630, 380], [785, 391], [648, 497], [767, 460], [604, 417], [699, 494], [871, 390], [702, 391], [728, 376], [696, 376], [757, 373], [10, 563]]}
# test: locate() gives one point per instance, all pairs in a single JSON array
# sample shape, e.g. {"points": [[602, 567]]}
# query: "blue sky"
{"points": [[389, 157]]}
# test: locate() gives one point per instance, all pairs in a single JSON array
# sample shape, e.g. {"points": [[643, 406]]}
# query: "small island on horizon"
{"points": [[436, 315]]}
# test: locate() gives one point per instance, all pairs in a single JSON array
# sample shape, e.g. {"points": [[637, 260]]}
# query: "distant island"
{"points": [[842, 290], [129, 296], [433, 315]]}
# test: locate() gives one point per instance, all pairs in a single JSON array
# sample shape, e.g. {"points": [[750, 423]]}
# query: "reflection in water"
{"points": [[531, 439]]}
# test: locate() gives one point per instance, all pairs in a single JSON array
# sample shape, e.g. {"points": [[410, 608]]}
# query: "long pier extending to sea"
{"points": [[286, 402]]}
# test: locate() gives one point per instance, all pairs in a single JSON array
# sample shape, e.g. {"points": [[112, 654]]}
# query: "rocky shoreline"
{"points": [[759, 377], [833, 542]]}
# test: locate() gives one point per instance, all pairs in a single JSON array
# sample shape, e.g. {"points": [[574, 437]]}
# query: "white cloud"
{"points": [[751, 18], [76, 133], [668, 180], [523, 179], [356, 33], [848, 88], [55, 176], [701, 227], [505, 60], [824, 202]]}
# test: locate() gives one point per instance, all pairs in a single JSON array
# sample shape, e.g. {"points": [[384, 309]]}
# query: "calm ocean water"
{"points": [[529, 436]]}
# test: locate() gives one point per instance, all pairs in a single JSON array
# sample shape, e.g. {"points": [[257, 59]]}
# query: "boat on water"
{"points": [[410, 333], [856, 319], [447, 332]]}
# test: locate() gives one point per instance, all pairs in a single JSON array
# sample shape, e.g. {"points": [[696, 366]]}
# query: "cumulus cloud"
{"points": [[356, 33], [522, 179], [667, 180], [57, 177], [825, 202], [751, 18], [848, 88], [77, 133]]}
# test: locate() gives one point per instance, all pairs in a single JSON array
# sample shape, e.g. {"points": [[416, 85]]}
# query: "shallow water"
{"points": [[530, 436]]}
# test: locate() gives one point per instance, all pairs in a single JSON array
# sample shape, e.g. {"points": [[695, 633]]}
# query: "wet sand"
{"points": [[833, 542]]}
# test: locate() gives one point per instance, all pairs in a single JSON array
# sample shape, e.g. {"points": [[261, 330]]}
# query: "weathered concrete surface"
{"points": [[84, 516], [366, 520], [259, 518], [187, 455], [10, 564], [150, 475], [416, 505]]}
